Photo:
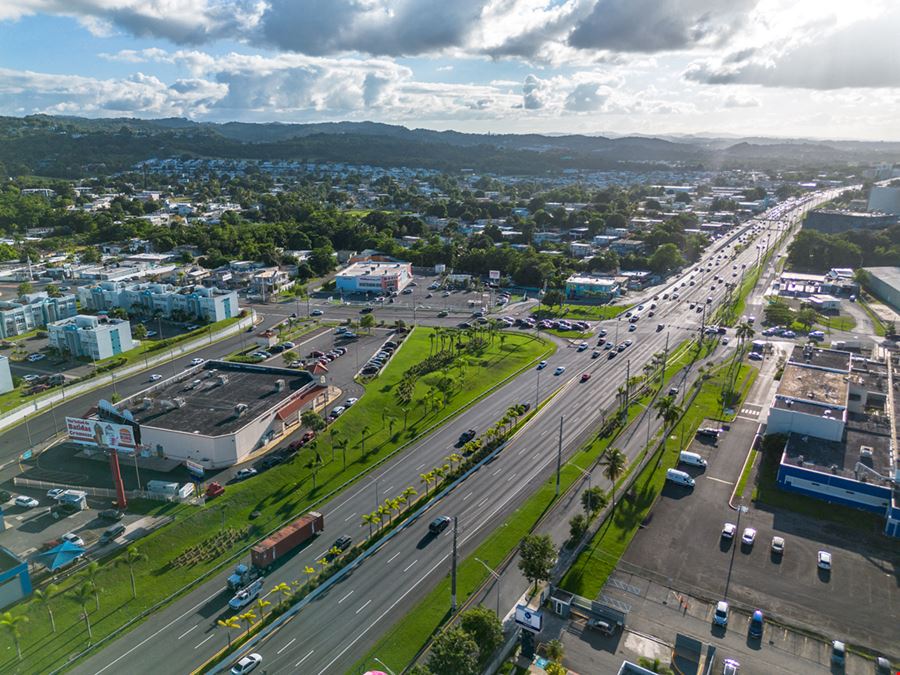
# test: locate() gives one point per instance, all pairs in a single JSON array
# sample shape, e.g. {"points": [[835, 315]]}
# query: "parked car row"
{"points": [[378, 361]]}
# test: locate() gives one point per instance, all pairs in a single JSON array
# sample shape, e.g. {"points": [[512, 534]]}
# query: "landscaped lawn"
{"points": [[280, 494], [582, 312]]}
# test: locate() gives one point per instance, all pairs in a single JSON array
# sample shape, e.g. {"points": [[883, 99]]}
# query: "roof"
{"points": [[821, 386], [204, 400], [379, 269], [592, 281], [59, 556], [887, 275], [817, 358], [841, 458]]}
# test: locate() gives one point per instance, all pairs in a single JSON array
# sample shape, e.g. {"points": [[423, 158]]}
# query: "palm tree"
{"points": [[668, 410], [391, 422], [362, 439], [427, 478], [248, 618], [261, 604], [409, 493], [309, 572], [370, 519], [10, 622], [229, 623], [381, 511], [83, 595], [453, 458], [314, 466], [44, 597], [342, 444], [284, 589], [131, 557], [614, 463], [91, 572]]}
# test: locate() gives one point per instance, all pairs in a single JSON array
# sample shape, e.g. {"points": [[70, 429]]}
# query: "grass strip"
{"points": [[745, 474], [585, 312]]}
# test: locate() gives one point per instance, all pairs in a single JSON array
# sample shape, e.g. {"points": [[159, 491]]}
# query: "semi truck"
{"points": [[264, 555]]}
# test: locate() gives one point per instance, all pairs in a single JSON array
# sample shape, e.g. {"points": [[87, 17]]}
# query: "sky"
{"points": [[825, 69]]}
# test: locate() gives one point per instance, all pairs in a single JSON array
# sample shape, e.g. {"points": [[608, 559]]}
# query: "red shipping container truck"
{"points": [[289, 537]]}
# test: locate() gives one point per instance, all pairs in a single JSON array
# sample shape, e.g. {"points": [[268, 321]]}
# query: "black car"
{"points": [[4, 496], [466, 436], [111, 514], [366, 310], [438, 525], [343, 543], [270, 461]]}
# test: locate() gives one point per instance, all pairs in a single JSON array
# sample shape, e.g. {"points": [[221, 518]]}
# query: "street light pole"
{"points": [[559, 453], [497, 578], [390, 672]]}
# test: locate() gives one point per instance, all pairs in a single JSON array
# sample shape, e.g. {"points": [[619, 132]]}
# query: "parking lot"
{"points": [[682, 544]]}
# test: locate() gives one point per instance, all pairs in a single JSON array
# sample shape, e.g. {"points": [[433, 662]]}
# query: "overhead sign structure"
{"points": [[529, 619], [101, 434], [494, 274]]}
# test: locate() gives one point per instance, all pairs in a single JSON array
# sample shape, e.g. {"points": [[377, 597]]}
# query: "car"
{"points": [[31, 377], [621, 347], [595, 353], [749, 536], [728, 530], [542, 365], [191, 326], [55, 493], [838, 653], [778, 545], [725, 340], [156, 377], [337, 411], [350, 401], [731, 667], [439, 524], [5, 496], [366, 310], [823, 560], [632, 328], [26, 502], [582, 346], [467, 436], [608, 345], [151, 333], [560, 370], [602, 333], [111, 532], [214, 489], [604, 627], [755, 356], [720, 616], [755, 630], [316, 312], [443, 313], [73, 538], [342, 543], [197, 361], [246, 595], [36, 357], [111, 514], [243, 474], [612, 354], [585, 377], [628, 343]]}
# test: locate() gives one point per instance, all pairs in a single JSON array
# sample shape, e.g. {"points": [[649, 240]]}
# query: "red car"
{"points": [[307, 437], [585, 377], [214, 490]]}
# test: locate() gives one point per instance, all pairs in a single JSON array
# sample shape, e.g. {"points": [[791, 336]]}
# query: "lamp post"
{"points": [[586, 474], [496, 579], [375, 658]]}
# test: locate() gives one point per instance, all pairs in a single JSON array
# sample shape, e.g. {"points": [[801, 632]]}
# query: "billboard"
{"points": [[100, 433], [494, 274], [529, 619]]}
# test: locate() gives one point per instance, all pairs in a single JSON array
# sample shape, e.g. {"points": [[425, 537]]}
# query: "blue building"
{"points": [[587, 287], [15, 583]]}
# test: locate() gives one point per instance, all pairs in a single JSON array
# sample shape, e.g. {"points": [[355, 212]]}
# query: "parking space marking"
{"points": [[293, 640]]}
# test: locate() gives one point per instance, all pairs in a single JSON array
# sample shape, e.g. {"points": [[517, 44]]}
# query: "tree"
{"points": [[44, 597], [139, 331], [261, 604], [554, 668], [247, 618], [92, 571], [10, 623], [52, 290], [777, 312], [83, 595], [614, 463], [537, 556], [229, 624], [553, 297], [131, 557], [24, 288], [807, 317], [367, 322], [484, 627], [370, 519], [284, 589], [668, 410], [666, 257], [578, 525], [288, 357], [454, 652], [554, 650], [593, 499], [312, 420], [362, 438]]}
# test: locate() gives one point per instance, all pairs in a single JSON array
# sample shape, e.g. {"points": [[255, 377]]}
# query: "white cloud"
{"points": [[739, 101]]}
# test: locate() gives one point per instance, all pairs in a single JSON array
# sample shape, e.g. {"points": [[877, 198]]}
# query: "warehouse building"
{"points": [[840, 418], [885, 199], [374, 277], [831, 221], [885, 283], [95, 337], [219, 412]]}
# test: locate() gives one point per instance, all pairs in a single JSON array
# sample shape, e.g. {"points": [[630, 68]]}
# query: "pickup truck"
{"points": [[246, 595]]}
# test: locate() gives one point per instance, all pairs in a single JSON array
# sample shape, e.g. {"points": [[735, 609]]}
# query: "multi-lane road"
{"points": [[333, 631]]}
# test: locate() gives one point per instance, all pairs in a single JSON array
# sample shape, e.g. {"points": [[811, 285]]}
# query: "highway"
{"points": [[339, 626]]}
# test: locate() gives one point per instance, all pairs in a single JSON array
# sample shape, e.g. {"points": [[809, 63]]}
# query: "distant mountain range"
{"points": [[75, 146]]}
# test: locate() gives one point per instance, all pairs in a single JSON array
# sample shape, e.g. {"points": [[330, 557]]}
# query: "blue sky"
{"points": [[808, 68]]}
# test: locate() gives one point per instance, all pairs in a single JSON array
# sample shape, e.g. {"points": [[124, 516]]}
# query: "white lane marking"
{"points": [[420, 466], [345, 597], [497, 471], [205, 641], [467, 496], [482, 502], [160, 630], [393, 556], [409, 567], [368, 602], [352, 515], [510, 477], [389, 489], [188, 631], [304, 658], [293, 640], [321, 555], [536, 455], [523, 450]]}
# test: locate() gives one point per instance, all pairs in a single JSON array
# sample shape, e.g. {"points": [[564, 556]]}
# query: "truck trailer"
{"points": [[285, 540]]}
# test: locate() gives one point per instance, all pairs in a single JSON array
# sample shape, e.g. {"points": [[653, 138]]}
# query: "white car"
{"points": [[338, 411], [720, 617], [55, 493], [315, 312], [729, 530], [155, 377], [542, 365], [245, 473], [246, 664], [778, 545], [36, 357], [350, 401], [73, 538], [731, 667], [749, 536], [31, 377], [560, 370], [26, 502], [197, 361], [823, 560]]}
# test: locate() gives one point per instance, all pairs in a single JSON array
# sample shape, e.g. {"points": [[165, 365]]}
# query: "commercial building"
{"points": [[15, 582], [216, 414], [885, 199], [96, 337], [839, 415], [6, 381], [34, 310], [197, 303], [885, 283], [374, 277], [830, 221], [587, 287]]}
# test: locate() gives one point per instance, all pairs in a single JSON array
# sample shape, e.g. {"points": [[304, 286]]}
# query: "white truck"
{"points": [[246, 595]]}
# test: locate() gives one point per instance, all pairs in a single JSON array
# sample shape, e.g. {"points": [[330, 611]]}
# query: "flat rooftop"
{"points": [[203, 400], [888, 275], [822, 386], [808, 408], [841, 458], [833, 359], [363, 269]]}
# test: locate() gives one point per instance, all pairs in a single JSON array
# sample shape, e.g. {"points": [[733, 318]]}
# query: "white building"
{"points": [[91, 336], [34, 310], [374, 277], [6, 381], [205, 304]]}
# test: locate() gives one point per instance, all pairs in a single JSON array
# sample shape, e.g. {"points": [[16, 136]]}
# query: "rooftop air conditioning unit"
{"points": [[279, 384], [240, 409]]}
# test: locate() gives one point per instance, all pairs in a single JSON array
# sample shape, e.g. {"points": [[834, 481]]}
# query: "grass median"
{"points": [[580, 312], [373, 428]]}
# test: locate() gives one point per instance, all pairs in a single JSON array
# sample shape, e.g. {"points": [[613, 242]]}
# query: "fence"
{"points": [[95, 491]]}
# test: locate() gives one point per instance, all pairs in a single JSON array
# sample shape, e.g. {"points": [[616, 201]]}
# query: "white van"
{"points": [[691, 458], [679, 477]]}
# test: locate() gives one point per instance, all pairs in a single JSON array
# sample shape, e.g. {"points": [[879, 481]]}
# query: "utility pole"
{"points": [[453, 571], [627, 390], [559, 453]]}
